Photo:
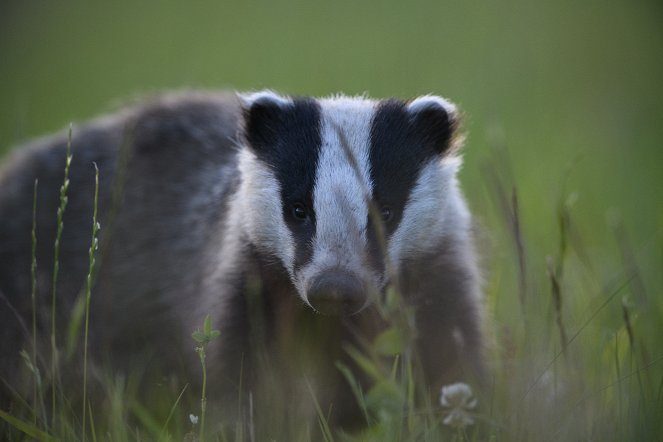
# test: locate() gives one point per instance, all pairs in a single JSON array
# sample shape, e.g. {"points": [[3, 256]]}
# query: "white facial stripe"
{"points": [[339, 198], [261, 205], [435, 209]]}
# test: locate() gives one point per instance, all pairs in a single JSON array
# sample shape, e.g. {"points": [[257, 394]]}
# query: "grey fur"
{"points": [[174, 249]]}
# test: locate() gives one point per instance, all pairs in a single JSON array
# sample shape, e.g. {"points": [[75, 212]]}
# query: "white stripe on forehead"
{"points": [[339, 199]]}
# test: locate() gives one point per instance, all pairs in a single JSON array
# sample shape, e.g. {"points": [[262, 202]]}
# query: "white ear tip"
{"points": [[264, 97], [433, 102]]}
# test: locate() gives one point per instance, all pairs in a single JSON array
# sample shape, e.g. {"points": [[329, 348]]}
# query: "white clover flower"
{"points": [[459, 399], [193, 419]]}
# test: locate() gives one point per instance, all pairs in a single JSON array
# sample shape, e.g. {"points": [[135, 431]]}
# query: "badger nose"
{"points": [[336, 292]]}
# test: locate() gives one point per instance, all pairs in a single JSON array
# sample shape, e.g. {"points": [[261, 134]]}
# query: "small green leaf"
{"points": [[390, 342], [214, 334], [207, 326], [366, 364], [356, 389], [385, 399], [198, 336]]}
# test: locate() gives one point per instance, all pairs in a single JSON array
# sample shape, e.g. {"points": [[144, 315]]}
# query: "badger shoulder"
{"points": [[160, 161], [173, 131]]}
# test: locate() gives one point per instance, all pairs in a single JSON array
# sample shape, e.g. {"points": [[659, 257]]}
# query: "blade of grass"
{"points": [[26, 427], [324, 425], [172, 411], [356, 389], [143, 415], [554, 276], [93, 430]]}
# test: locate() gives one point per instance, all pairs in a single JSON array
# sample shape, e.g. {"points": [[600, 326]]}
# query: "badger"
{"points": [[287, 219]]}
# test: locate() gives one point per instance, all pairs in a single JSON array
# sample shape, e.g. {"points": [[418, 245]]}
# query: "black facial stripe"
{"points": [[398, 151], [290, 146]]}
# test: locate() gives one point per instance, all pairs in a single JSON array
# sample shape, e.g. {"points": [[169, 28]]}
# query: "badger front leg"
{"points": [[445, 293]]}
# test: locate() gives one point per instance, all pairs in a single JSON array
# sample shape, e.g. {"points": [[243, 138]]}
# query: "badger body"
{"points": [[285, 219]]}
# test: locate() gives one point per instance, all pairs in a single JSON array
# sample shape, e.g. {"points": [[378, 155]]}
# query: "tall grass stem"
{"points": [[94, 244], [203, 397], [56, 267], [203, 338], [33, 295]]}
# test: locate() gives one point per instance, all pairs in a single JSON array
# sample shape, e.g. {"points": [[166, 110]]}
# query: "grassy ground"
{"points": [[563, 102]]}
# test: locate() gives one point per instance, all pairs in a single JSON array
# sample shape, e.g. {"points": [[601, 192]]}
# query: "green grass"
{"points": [[574, 354]]}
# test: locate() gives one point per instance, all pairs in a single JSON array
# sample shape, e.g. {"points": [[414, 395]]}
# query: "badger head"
{"points": [[342, 191]]}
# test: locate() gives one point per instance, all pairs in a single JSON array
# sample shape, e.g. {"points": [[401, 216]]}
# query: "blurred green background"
{"points": [[572, 90], [560, 83]]}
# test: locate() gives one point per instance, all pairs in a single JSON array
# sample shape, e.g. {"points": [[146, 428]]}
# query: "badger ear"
{"points": [[263, 115], [436, 121]]}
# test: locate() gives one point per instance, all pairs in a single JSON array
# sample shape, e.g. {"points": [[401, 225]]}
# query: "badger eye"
{"points": [[386, 213], [299, 212]]}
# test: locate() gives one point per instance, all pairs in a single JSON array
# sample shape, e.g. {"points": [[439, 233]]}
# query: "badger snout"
{"points": [[336, 292]]}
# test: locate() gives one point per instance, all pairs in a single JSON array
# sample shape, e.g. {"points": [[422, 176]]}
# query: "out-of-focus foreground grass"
{"points": [[563, 104]]}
